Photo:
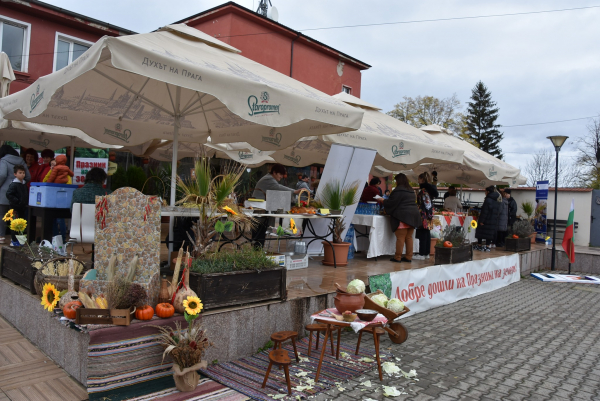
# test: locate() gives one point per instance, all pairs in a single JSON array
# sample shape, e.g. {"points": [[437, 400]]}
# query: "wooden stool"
{"points": [[280, 358], [378, 330], [281, 336], [320, 327]]}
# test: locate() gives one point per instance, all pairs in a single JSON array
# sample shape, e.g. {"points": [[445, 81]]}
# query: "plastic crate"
{"points": [[278, 259], [296, 261], [45, 194]]}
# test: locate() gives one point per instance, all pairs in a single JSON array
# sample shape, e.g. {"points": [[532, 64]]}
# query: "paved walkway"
{"points": [[26, 373], [528, 341]]}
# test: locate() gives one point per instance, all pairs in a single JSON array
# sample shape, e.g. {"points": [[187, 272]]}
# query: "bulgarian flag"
{"points": [[568, 244]]}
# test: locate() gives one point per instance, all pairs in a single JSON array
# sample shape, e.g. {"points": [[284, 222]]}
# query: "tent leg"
{"points": [[72, 153], [174, 165]]}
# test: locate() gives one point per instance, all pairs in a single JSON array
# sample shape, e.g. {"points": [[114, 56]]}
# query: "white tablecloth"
{"points": [[382, 240]]}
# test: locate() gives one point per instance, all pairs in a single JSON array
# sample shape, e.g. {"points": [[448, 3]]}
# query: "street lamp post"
{"points": [[558, 141]]}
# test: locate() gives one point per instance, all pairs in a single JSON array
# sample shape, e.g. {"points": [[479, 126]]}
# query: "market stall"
{"points": [[373, 234]]}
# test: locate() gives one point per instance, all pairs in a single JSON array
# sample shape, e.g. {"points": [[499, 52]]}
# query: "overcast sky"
{"points": [[539, 68]]}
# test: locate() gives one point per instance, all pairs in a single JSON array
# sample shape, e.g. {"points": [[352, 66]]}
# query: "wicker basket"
{"points": [[60, 282]]}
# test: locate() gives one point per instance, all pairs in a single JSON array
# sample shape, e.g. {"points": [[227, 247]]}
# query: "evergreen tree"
{"points": [[482, 114]]}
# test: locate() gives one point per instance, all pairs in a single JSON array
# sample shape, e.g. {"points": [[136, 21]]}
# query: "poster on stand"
{"points": [[541, 205], [85, 164], [433, 286]]}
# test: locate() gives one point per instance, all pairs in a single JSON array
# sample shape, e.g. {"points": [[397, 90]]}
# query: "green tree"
{"points": [[426, 110], [481, 117]]}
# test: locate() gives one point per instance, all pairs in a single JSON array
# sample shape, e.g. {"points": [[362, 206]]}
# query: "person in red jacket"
{"points": [[371, 191], [44, 169], [60, 174], [31, 159]]}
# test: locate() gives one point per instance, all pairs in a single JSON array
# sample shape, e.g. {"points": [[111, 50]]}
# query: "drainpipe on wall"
{"points": [[292, 55]]}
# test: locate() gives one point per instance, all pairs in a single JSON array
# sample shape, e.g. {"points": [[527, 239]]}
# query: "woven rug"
{"points": [[207, 390], [246, 375]]}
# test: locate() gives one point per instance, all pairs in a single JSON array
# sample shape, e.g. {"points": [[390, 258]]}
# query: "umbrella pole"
{"points": [[174, 164], [72, 152]]}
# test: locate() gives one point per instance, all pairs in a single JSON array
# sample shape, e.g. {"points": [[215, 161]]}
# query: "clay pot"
{"points": [[341, 254], [532, 236], [351, 302], [433, 242]]}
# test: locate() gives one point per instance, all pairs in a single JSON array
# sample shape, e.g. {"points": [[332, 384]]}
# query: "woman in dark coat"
{"points": [[427, 193], [487, 224], [404, 214]]}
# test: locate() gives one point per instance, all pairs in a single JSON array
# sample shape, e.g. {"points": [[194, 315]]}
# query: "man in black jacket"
{"points": [[512, 207]]}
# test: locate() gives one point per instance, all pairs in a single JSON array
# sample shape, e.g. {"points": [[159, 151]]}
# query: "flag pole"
{"points": [[569, 266]]}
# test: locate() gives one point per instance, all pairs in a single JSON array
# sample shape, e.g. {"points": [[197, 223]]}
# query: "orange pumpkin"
{"points": [[70, 309], [447, 244], [165, 310], [515, 236], [144, 313]]}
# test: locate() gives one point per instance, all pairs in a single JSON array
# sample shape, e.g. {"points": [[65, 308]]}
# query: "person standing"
{"points": [[512, 207], [18, 194], [404, 215], [9, 158], [303, 184], [371, 191], [427, 192], [31, 159], [502, 222], [487, 224], [44, 169], [451, 202]]}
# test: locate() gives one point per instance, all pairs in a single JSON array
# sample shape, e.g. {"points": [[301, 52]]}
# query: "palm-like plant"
{"points": [[210, 195], [337, 197]]}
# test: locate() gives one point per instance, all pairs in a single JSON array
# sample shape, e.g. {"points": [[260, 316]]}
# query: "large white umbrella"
{"points": [[7, 75], [178, 83]]}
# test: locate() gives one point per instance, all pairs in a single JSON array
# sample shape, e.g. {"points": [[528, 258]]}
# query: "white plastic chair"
{"points": [[82, 225]]}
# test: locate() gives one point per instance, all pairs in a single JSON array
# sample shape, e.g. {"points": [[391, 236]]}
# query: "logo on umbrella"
{"points": [[399, 150], [292, 158], [273, 138], [116, 133], [36, 98], [262, 107], [245, 155], [43, 143], [492, 171]]}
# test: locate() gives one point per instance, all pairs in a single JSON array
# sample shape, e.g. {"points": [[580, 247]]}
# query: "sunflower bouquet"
{"points": [[17, 225], [186, 347], [50, 297]]}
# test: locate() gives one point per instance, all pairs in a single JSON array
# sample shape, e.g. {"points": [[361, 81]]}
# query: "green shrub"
{"points": [[136, 177], [522, 228], [118, 179], [454, 234], [247, 258]]}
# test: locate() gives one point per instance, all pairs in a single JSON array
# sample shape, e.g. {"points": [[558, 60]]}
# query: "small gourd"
{"points": [[165, 310], [185, 291]]}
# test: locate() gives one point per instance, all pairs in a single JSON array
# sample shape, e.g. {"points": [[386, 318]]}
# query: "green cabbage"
{"points": [[356, 286], [395, 305], [380, 299]]}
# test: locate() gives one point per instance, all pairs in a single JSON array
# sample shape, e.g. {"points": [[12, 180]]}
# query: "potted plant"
{"points": [[234, 278], [211, 196], [453, 246], [337, 197], [519, 236], [529, 209]]}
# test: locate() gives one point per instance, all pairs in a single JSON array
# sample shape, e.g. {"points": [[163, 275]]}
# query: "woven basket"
{"points": [[60, 282]]}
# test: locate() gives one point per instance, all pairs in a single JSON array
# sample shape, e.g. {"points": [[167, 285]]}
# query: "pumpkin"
{"points": [[144, 313], [515, 236], [164, 310], [447, 244], [70, 309]]}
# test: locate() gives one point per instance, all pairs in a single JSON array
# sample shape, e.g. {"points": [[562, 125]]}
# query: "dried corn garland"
{"points": [[101, 212], [148, 208]]}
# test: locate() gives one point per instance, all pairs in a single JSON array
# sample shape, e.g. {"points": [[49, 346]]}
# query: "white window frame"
{"points": [[27, 26], [347, 87], [71, 40]]}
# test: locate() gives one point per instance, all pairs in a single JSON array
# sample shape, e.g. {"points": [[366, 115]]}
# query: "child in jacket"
{"points": [[61, 173]]}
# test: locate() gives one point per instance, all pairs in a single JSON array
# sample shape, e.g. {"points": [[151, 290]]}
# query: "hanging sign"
{"points": [[85, 164], [112, 168]]}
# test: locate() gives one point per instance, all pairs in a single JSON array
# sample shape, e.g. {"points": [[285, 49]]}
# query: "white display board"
{"points": [[433, 286], [566, 278], [347, 164]]}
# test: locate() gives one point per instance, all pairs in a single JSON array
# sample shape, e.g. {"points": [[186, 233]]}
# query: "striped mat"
{"points": [[246, 375], [207, 390]]}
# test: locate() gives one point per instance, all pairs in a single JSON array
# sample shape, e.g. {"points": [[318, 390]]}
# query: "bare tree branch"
{"points": [[542, 167]]}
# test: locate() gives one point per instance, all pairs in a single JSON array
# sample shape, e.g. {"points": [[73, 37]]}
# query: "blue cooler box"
{"points": [[46, 194]]}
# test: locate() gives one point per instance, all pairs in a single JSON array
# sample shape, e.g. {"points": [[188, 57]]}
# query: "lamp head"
{"points": [[558, 141], [248, 170]]}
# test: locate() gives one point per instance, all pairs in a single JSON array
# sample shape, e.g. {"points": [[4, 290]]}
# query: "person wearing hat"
{"points": [[44, 168], [487, 223]]}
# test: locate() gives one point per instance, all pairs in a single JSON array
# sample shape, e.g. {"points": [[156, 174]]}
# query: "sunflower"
{"points": [[18, 225], [9, 215], [473, 224], [50, 297], [293, 226], [230, 210], [192, 305]]}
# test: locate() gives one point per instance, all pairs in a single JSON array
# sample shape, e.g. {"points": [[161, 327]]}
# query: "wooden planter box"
{"points": [[217, 290], [119, 317], [517, 244], [16, 266], [447, 256]]}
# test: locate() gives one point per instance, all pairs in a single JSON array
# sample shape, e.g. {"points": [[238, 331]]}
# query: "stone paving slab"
{"points": [[528, 341]]}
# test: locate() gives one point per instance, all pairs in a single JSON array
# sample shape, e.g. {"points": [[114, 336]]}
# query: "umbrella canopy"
{"points": [[7, 75], [43, 136], [178, 82]]}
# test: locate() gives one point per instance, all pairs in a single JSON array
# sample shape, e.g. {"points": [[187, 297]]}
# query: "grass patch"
{"points": [[247, 258]]}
